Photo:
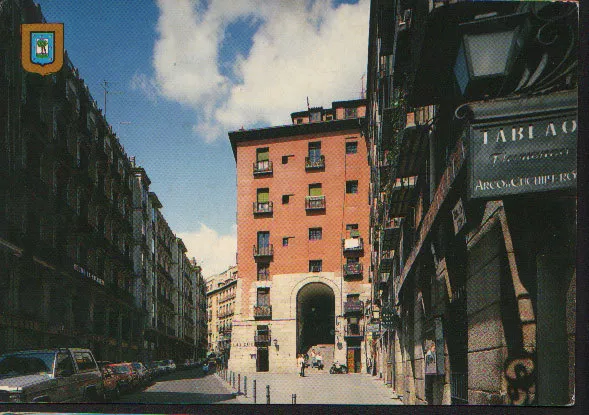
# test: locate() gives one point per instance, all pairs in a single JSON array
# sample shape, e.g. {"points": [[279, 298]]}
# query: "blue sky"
{"points": [[183, 73]]}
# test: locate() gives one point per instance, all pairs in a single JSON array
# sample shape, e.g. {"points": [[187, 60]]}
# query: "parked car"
{"points": [[170, 365], [125, 376], [142, 374], [111, 383], [50, 375], [155, 369]]}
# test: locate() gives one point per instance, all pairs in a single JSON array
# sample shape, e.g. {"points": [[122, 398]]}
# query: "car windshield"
{"points": [[20, 364], [120, 369]]}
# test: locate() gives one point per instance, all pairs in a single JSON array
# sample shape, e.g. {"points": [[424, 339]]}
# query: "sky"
{"points": [[181, 74]]}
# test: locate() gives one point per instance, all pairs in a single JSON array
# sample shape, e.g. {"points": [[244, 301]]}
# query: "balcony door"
{"points": [[263, 297], [263, 239], [315, 152]]}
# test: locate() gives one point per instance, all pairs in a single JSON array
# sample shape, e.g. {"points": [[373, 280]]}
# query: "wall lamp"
{"points": [[489, 47]]}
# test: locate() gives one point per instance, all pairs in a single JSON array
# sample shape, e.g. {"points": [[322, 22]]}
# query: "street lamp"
{"points": [[489, 47]]}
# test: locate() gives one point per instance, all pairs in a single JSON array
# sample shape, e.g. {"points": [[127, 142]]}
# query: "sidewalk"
{"points": [[315, 388]]}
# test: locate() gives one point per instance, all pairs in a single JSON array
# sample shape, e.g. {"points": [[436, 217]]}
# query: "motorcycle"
{"points": [[337, 367]]}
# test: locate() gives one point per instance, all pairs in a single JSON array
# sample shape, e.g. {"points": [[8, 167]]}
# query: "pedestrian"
{"points": [[313, 358], [319, 360], [301, 364]]}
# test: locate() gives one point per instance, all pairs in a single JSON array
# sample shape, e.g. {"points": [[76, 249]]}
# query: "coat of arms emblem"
{"points": [[42, 47]]}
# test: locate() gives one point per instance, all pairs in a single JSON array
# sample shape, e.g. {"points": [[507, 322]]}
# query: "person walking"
{"points": [[319, 361], [313, 358]]}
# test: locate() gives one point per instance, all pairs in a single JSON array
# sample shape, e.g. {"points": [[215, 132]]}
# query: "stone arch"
{"points": [[313, 279]]}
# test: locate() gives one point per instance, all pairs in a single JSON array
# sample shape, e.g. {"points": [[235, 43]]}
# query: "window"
{"points": [[350, 113], [284, 159], [352, 230], [315, 151], [315, 234], [263, 271], [315, 265], [329, 117], [263, 297], [315, 189], [351, 147], [352, 186], [315, 116], [84, 361], [285, 241], [299, 120], [263, 239], [64, 364], [262, 154], [263, 199], [285, 199]]}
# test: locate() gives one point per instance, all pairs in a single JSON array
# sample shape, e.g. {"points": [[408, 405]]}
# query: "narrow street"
{"points": [[183, 387]]}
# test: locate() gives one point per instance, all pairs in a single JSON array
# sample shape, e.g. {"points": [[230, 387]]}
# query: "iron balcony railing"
{"points": [[263, 208], [353, 269], [312, 163], [262, 339], [262, 167], [315, 202], [353, 245], [353, 307], [262, 251], [353, 330], [263, 311]]}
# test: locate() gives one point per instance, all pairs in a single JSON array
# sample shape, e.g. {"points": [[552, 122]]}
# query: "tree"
{"points": [[42, 43]]}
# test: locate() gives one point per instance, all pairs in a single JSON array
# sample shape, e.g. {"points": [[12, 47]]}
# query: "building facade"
{"points": [[303, 248], [76, 264], [221, 300], [472, 126]]}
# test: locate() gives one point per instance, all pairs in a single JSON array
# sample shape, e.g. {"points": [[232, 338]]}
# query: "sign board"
{"points": [[458, 216], [533, 151], [373, 328]]}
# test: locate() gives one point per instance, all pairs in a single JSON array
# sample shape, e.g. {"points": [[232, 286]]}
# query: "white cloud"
{"points": [[148, 86], [214, 252], [301, 48]]}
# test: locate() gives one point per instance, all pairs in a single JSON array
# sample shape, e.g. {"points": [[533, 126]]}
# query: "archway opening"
{"points": [[315, 316]]}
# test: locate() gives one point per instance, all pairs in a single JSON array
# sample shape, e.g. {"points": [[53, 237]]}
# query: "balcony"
{"points": [[353, 269], [263, 251], [353, 331], [263, 312], [353, 307], [262, 339], [353, 245], [262, 167], [315, 163], [315, 202], [263, 208]]}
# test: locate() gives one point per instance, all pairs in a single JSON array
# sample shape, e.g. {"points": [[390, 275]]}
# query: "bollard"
{"points": [[239, 383], [233, 380], [245, 386], [294, 398], [254, 391], [267, 394]]}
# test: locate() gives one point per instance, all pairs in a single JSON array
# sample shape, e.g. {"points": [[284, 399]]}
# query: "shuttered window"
{"points": [[263, 195], [315, 189], [263, 154]]}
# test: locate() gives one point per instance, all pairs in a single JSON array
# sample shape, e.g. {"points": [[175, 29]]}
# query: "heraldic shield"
{"points": [[42, 47]]}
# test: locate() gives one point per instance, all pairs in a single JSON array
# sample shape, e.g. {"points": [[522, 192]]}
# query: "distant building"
{"points": [[303, 246], [221, 300]]}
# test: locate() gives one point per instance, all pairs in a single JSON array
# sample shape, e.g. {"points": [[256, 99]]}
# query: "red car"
{"points": [[126, 375]]}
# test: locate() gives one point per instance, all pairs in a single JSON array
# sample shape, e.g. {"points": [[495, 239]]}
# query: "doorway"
{"points": [[354, 359], [262, 360]]}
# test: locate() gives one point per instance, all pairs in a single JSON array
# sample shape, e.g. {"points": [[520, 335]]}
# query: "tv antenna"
{"points": [[105, 85]]}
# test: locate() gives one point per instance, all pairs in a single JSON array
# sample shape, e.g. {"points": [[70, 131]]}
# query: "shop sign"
{"points": [[523, 155], [85, 273], [373, 328]]}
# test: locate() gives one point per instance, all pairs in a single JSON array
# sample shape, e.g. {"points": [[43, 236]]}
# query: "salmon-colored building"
{"points": [[303, 249]]}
